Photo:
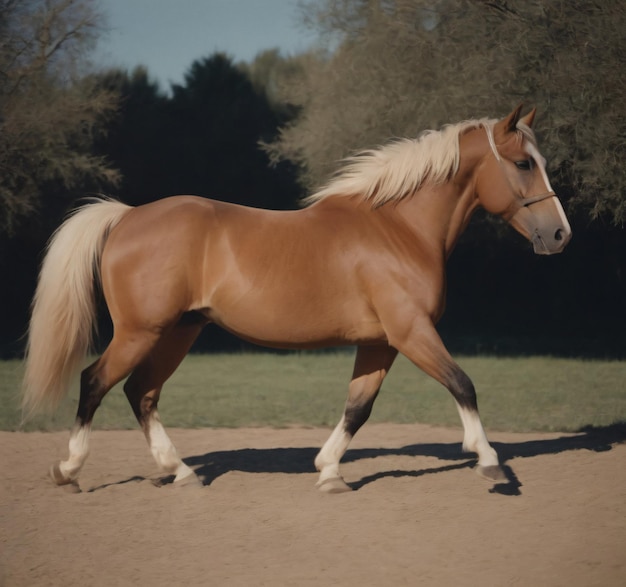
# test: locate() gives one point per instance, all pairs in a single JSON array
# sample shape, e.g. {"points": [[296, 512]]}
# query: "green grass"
{"points": [[514, 394]]}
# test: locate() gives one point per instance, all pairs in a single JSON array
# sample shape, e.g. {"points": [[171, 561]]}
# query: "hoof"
{"points": [[58, 477], [70, 485], [491, 473], [333, 485]]}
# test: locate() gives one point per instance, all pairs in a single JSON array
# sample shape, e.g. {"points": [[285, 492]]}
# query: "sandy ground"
{"points": [[418, 515]]}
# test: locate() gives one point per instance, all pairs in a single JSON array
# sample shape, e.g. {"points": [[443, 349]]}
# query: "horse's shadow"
{"points": [[212, 465], [208, 467]]}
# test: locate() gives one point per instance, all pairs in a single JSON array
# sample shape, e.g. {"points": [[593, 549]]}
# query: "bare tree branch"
{"points": [[49, 114]]}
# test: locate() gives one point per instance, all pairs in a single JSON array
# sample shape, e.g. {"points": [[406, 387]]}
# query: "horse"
{"points": [[362, 263]]}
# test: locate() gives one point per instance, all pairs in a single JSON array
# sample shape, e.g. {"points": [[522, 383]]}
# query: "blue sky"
{"points": [[168, 35]]}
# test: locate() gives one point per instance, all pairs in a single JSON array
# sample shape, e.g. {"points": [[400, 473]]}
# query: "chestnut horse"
{"points": [[362, 264]]}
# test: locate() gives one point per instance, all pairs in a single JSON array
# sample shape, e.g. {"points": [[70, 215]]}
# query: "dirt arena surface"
{"points": [[418, 515]]}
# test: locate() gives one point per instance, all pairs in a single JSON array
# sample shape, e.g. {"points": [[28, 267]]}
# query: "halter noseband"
{"points": [[534, 199], [521, 202]]}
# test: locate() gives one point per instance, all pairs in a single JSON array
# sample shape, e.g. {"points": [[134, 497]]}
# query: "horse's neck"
{"points": [[439, 213]]}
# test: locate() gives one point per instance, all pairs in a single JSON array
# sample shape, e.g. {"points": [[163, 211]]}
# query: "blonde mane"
{"points": [[398, 169]]}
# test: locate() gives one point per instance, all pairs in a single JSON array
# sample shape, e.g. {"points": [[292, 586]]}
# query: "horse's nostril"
{"points": [[558, 235]]}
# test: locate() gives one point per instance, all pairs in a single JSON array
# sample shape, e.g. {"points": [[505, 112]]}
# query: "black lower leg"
{"points": [[357, 412], [462, 388], [143, 404], [91, 393], [370, 367]]}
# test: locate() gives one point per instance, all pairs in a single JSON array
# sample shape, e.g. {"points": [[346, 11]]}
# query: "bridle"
{"points": [[520, 202]]}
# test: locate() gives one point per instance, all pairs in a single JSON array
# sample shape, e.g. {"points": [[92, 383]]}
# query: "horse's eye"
{"points": [[524, 165]]}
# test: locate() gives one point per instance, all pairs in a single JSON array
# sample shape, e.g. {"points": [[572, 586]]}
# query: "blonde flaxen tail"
{"points": [[64, 309]]}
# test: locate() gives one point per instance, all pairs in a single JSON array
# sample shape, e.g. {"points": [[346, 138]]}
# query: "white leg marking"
{"points": [[163, 451], [327, 460], [475, 439], [79, 450]]}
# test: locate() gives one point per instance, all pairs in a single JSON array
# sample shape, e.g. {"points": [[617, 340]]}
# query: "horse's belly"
{"points": [[303, 326]]}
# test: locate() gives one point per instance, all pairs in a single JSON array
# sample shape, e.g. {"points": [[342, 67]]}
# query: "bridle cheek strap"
{"points": [[519, 203]]}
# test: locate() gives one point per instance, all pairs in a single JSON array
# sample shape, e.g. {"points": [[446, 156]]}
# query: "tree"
{"points": [[50, 111], [269, 72], [137, 140], [402, 66], [212, 127]]}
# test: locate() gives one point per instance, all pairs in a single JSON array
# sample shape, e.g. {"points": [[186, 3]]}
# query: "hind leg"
{"points": [[370, 367], [124, 352], [143, 389]]}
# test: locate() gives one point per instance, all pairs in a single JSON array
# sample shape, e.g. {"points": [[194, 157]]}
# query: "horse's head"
{"points": [[513, 184]]}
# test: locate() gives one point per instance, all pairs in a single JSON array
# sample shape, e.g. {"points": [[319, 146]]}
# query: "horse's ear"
{"points": [[509, 124], [529, 118]]}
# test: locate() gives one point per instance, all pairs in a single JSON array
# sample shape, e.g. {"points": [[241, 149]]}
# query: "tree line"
{"points": [[264, 133]]}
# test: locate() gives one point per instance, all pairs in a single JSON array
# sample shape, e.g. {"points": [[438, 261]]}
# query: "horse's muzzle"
{"points": [[550, 242]]}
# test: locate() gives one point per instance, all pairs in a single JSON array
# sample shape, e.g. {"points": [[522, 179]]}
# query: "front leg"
{"points": [[371, 365], [423, 346]]}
